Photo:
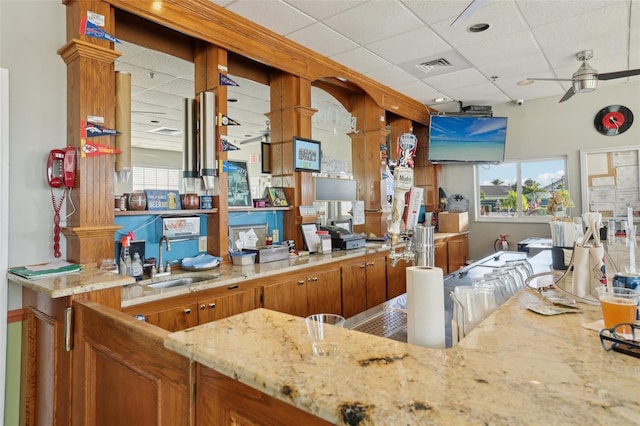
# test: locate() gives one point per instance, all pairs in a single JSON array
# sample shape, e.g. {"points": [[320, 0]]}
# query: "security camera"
{"points": [[519, 102]]}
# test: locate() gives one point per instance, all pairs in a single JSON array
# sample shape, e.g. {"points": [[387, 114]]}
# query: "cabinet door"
{"points": [[441, 257], [396, 278], [458, 252], [354, 289], [226, 306], [376, 281], [175, 319], [323, 293], [288, 296]]}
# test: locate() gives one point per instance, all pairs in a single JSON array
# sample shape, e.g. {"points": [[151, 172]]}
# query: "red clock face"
{"points": [[613, 120]]}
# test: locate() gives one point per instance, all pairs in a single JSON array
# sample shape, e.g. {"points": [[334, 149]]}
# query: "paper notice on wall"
{"points": [[358, 213]]}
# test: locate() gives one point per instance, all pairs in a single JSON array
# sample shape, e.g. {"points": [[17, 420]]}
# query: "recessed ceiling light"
{"points": [[438, 100], [478, 28], [525, 82]]}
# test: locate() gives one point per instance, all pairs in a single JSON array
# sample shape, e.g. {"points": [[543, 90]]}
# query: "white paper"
{"points": [[624, 158], [627, 177], [358, 213], [603, 181], [598, 164]]}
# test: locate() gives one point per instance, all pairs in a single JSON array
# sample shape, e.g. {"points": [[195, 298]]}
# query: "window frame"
{"points": [[519, 217]]}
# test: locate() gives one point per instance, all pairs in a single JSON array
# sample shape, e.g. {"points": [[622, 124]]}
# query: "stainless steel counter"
{"points": [[389, 319]]}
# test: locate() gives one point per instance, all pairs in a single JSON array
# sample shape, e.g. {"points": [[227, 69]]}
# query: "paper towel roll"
{"points": [[425, 307]]}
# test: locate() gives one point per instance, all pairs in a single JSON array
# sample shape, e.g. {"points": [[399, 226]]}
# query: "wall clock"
{"points": [[613, 120]]}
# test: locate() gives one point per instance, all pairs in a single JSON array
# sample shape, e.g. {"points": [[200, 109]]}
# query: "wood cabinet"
{"points": [[181, 312], [396, 278], [226, 305], [174, 318], [457, 252], [221, 400], [305, 294], [364, 284], [441, 256]]}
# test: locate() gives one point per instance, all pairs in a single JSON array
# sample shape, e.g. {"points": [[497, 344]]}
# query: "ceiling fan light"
{"points": [[585, 79]]}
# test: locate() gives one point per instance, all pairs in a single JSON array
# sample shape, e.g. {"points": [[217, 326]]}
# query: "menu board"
{"points": [[611, 181]]}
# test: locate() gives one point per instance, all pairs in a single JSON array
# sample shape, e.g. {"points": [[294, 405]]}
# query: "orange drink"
{"points": [[619, 305]]}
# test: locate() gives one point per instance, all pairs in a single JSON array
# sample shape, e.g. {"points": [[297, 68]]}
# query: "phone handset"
{"points": [[61, 172], [61, 167]]}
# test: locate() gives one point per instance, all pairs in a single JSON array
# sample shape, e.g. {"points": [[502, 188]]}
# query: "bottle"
{"points": [[136, 267]]}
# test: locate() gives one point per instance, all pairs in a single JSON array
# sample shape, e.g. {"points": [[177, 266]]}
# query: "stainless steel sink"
{"points": [[178, 282]]}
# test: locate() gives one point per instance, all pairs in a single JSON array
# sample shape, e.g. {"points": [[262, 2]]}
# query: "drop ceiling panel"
{"points": [[326, 8], [390, 76], [541, 12], [410, 45], [374, 21], [433, 11], [361, 60], [503, 17], [322, 39], [275, 15], [519, 44]]}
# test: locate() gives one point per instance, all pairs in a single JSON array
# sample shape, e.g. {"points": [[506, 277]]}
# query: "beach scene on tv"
{"points": [[467, 139]]}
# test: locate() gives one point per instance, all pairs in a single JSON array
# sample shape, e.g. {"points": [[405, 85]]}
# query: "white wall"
{"points": [[30, 34], [543, 128]]}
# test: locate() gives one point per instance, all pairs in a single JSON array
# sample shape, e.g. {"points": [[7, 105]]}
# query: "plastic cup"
{"points": [[619, 305], [324, 333]]}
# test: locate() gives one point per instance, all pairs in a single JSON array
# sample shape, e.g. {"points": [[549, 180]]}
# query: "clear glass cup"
{"points": [[324, 333], [619, 305]]}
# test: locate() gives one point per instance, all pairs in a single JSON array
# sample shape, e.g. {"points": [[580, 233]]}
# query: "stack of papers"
{"points": [[57, 267], [203, 261]]}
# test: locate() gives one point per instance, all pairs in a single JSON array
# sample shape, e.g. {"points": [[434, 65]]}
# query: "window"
{"points": [[522, 189], [155, 178]]}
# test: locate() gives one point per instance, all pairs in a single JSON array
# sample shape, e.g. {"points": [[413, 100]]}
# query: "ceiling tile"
{"points": [[361, 60], [323, 9], [410, 45], [542, 12], [503, 17], [517, 45], [322, 39], [457, 79], [373, 21], [275, 15], [433, 11], [390, 76]]}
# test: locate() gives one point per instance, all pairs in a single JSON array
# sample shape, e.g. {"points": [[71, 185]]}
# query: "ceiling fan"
{"points": [[263, 137], [586, 78]]}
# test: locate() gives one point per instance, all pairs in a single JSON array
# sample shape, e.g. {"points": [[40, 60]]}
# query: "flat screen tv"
{"points": [[306, 155], [454, 138]]}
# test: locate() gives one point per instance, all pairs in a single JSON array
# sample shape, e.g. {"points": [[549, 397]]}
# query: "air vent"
{"points": [[167, 131], [426, 67]]}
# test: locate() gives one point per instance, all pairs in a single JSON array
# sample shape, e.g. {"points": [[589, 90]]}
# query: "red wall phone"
{"points": [[61, 167]]}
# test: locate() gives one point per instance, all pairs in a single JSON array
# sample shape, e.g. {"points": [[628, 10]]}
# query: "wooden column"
{"points": [[209, 60], [367, 164], [90, 89], [290, 116]]}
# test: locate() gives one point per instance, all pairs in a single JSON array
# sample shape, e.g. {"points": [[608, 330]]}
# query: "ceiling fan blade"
{"points": [[618, 74], [567, 95], [469, 10], [549, 79]]}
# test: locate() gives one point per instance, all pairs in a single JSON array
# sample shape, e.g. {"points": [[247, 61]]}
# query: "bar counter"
{"points": [[517, 367]]}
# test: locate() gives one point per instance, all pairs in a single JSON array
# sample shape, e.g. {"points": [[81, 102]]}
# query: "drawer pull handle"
{"points": [[203, 307], [231, 287], [212, 305], [363, 266], [187, 311], [301, 282]]}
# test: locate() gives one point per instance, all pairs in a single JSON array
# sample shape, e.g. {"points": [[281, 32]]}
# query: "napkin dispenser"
{"points": [[269, 253]]}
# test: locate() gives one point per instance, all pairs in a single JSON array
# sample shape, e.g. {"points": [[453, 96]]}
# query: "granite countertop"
{"points": [[93, 279], [85, 281], [517, 367]]}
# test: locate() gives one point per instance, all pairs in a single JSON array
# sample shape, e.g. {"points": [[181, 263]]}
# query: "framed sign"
{"points": [[306, 155], [265, 156], [238, 189], [310, 236], [277, 197]]}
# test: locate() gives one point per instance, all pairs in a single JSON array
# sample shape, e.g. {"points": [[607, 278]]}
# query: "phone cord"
{"points": [[56, 222]]}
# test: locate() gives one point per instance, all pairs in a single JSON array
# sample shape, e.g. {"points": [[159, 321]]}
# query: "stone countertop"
{"points": [[227, 274], [517, 367], [85, 281], [93, 279]]}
